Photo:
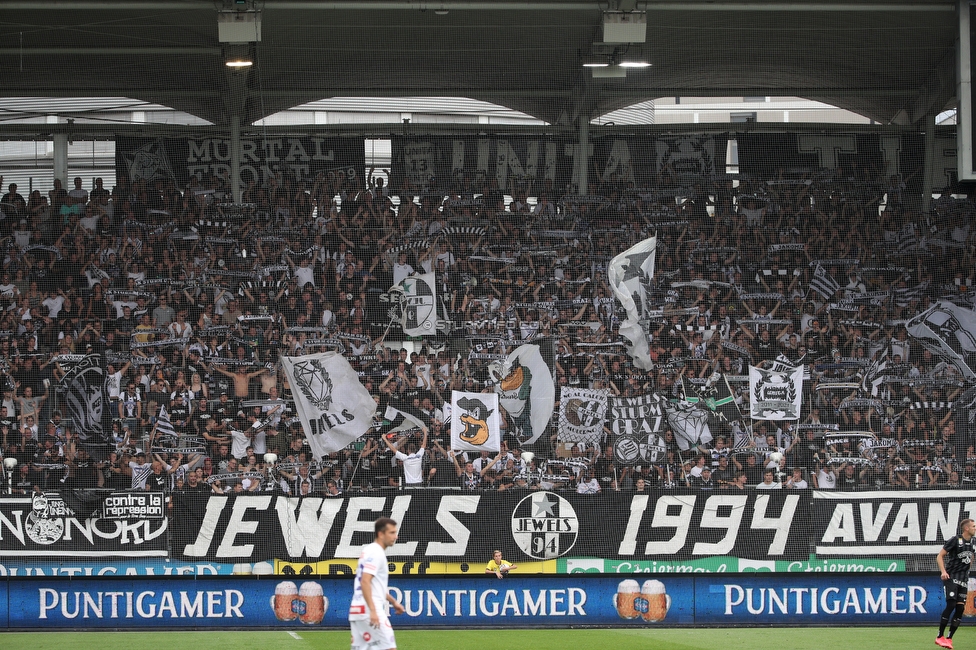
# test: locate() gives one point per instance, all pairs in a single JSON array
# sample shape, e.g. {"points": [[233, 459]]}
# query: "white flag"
{"points": [[419, 304], [627, 273], [582, 412], [475, 422], [335, 409], [775, 395], [525, 389], [949, 331]]}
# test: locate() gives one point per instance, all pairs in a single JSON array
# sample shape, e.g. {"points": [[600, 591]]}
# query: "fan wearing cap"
{"points": [[138, 469]]}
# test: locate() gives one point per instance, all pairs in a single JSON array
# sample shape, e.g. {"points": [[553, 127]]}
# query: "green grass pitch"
{"points": [[897, 638]]}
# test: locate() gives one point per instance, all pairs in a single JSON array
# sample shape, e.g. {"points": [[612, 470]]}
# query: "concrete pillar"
{"points": [[61, 159], [929, 171], [235, 158]]}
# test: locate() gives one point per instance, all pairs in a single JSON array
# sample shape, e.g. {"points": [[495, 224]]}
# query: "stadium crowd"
{"points": [[192, 300]]}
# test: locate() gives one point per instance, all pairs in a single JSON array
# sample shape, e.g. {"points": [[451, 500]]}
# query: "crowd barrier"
{"points": [[477, 601]]}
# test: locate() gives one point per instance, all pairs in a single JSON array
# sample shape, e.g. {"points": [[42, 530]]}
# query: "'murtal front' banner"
{"points": [[298, 158], [131, 525], [452, 526], [533, 162]]}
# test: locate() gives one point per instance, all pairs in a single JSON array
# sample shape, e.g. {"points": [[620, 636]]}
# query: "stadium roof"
{"points": [[892, 62]]}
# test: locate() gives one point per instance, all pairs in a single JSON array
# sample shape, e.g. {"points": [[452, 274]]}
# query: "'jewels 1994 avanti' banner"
{"points": [[709, 599], [451, 526], [300, 158]]}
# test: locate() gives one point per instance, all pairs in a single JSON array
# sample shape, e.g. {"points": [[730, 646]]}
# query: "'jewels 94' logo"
{"points": [[544, 525]]}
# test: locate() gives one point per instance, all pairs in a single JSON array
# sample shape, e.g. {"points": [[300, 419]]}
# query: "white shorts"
{"points": [[365, 635]]}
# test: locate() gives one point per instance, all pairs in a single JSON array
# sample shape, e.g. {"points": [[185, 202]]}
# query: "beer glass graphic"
{"points": [[656, 601], [281, 602], [626, 599], [311, 604]]}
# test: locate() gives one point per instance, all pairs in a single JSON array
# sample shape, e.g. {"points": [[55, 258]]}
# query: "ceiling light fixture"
{"points": [[634, 64], [441, 12], [594, 61], [239, 63]]}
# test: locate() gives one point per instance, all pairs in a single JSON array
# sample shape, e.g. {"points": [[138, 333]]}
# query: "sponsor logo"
{"points": [[830, 601]]}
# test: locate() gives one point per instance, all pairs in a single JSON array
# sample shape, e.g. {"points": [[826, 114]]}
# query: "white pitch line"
{"points": [[295, 636]]}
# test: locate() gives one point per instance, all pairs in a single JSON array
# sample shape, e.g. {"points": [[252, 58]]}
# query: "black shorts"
{"points": [[956, 588]]}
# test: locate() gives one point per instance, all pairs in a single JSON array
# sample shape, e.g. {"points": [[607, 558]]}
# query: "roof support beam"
{"points": [[109, 51], [404, 5]]}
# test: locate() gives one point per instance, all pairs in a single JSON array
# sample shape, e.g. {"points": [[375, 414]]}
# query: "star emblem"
{"points": [[543, 507], [407, 286]]}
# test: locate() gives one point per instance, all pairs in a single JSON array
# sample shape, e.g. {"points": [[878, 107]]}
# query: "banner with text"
{"points": [[451, 526], [299, 158], [532, 163]]}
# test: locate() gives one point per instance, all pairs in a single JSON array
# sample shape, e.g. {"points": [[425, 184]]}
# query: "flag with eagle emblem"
{"points": [[629, 274], [334, 408]]}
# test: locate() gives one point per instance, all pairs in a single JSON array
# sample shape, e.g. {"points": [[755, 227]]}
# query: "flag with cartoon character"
{"points": [[475, 422], [523, 382]]}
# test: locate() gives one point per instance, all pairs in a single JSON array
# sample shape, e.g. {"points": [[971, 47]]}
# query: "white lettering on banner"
{"points": [[681, 521], [459, 532], [226, 603], [790, 601], [238, 526], [730, 524], [490, 602], [211, 517], [16, 527], [354, 524], [882, 523], [781, 524], [305, 534]]}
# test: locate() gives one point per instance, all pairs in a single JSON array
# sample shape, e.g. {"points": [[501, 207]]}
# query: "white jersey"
{"points": [[372, 562]]}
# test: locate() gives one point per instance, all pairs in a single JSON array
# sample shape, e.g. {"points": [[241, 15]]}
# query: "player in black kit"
{"points": [[954, 560]]}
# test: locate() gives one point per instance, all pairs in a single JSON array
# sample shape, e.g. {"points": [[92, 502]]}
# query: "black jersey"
{"points": [[959, 556]]}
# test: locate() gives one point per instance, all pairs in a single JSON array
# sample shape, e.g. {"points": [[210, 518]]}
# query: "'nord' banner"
{"points": [[129, 525]]}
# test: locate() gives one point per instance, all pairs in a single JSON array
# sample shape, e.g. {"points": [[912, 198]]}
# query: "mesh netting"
{"points": [[689, 349]]}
